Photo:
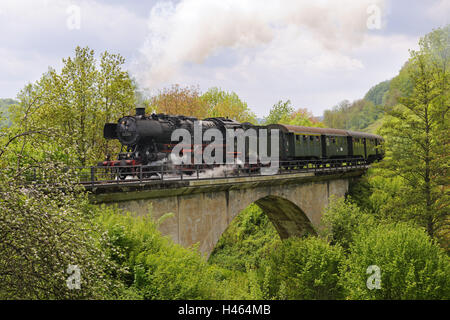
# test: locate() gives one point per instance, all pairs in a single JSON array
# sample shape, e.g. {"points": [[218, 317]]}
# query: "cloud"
{"points": [[314, 78], [35, 35], [439, 11], [194, 30], [314, 53]]}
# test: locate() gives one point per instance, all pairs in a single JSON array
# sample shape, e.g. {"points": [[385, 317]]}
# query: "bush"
{"points": [[43, 229], [412, 265], [158, 268], [342, 220], [303, 269], [246, 241]]}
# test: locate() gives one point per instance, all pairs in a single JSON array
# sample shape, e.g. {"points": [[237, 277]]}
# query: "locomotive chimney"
{"points": [[140, 111]]}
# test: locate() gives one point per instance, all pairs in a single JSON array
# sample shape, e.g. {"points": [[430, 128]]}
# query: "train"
{"points": [[147, 140]]}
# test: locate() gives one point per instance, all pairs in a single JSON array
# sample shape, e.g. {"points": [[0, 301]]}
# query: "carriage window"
{"points": [[311, 138], [305, 137]]}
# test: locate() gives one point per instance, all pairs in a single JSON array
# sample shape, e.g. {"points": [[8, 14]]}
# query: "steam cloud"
{"points": [[193, 30]]}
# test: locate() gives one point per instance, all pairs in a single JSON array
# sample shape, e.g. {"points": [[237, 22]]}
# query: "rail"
{"points": [[120, 175]]}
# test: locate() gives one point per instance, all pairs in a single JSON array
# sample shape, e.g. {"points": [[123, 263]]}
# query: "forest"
{"points": [[396, 217]]}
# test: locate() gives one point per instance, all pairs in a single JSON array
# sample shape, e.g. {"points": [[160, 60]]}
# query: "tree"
{"points": [[246, 241], [74, 104], [399, 86], [417, 134], [303, 117], [189, 101], [357, 115], [159, 268], [280, 113], [5, 104], [285, 113], [342, 220], [411, 265], [337, 117], [177, 100], [44, 228], [227, 104], [376, 93], [46, 225], [302, 269]]}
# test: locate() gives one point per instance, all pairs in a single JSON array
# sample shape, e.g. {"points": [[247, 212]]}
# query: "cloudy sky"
{"points": [[315, 53]]}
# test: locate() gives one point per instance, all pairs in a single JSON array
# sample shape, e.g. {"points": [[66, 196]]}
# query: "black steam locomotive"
{"points": [[146, 140]]}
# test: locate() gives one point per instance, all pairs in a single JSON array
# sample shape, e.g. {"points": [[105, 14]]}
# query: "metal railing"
{"points": [[100, 175]]}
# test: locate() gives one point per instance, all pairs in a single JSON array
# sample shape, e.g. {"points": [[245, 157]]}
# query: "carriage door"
{"points": [[324, 145], [350, 146]]}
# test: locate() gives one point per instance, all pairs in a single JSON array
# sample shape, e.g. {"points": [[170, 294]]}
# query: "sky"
{"points": [[314, 53]]}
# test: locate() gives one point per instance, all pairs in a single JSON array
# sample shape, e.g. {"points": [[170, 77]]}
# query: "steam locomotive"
{"points": [[146, 140]]}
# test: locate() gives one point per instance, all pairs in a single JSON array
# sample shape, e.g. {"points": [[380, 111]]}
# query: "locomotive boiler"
{"points": [[147, 139]]}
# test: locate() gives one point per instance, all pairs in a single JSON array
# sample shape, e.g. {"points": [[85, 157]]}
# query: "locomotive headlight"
{"points": [[127, 131], [133, 130]]}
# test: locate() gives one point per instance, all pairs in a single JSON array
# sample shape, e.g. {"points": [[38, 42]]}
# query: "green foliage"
{"points": [[45, 228], [5, 104], [72, 106], [342, 220], [353, 116], [412, 265], [285, 113], [279, 113], [400, 86], [189, 101], [377, 92], [227, 104], [417, 134], [384, 197], [246, 241], [302, 269], [160, 269]]}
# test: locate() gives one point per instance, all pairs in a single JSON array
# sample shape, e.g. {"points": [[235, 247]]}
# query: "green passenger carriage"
{"points": [[325, 143]]}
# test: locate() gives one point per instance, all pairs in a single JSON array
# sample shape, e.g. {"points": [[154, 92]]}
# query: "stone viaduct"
{"points": [[203, 209]]}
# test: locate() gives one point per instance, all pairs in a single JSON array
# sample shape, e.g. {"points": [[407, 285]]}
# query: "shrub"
{"points": [[303, 269], [159, 268], [43, 229], [412, 265], [246, 241], [342, 220]]}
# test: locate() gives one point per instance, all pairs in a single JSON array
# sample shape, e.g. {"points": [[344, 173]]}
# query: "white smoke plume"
{"points": [[193, 30]]}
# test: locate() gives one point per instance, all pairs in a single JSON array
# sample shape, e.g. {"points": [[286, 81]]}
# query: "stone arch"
{"points": [[288, 219], [286, 216]]}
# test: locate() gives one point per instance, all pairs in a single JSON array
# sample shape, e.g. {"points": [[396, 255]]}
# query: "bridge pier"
{"points": [[203, 209]]}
